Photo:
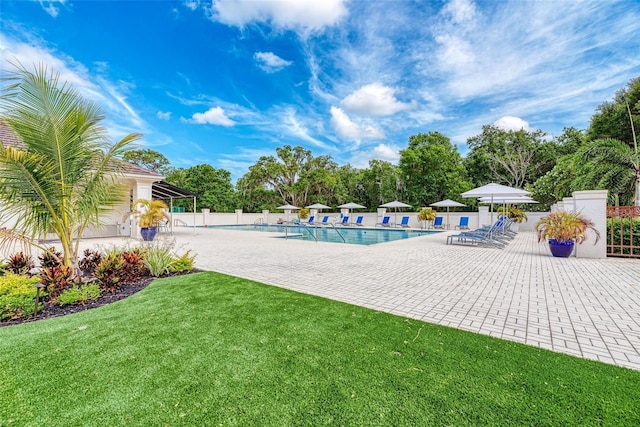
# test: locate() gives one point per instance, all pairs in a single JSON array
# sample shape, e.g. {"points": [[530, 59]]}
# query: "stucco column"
{"points": [[238, 216], [569, 204], [265, 216], [205, 217], [593, 206], [483, 216]]}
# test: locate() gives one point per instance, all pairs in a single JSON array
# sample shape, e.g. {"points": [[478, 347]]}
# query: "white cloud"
{"points": [[305, 16], [191, 4], [213, 116], [164, 115], [346, 128], [270, 62], [375, 100], [50, 6], [461, 11], [511, 123], [295, 127], [386, 152]]}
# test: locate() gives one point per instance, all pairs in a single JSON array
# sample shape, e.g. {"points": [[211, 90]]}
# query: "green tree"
{"points": [[509, 157], [432, 169], [65, 175], [380, 183], [295, 175], [613, 165], [149, 159], [612, 121], [212, 187], [613, 154]]}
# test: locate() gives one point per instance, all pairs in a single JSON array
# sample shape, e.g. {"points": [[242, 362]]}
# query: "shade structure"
{"points": [[288, 208], [395, 205], [350, 206], [318, 206], [508, 200], [494, 190], [447, 203]]}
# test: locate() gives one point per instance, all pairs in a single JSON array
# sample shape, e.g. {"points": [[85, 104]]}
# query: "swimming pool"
{"points": [[355, 236]]}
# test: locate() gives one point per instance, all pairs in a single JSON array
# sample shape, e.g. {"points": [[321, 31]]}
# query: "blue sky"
{"points": [[224, 82]]}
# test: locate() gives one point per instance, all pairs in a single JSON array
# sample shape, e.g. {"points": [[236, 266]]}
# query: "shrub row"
{"points": [[626, 233], [102, 272]]}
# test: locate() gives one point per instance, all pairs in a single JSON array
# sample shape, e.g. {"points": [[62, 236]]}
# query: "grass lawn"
{"points": [[209, 349]]}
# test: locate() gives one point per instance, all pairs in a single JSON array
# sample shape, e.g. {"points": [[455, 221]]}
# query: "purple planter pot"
{"points": [[148, 233], [561, 249]]}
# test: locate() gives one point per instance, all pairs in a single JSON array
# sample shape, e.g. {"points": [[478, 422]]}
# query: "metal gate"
{"points": [[623, 231]]}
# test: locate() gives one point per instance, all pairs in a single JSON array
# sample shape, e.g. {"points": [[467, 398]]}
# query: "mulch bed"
{"points": [[54, 310]]}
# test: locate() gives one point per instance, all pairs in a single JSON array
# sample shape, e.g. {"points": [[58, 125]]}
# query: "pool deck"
{"points": [[582, 307]]}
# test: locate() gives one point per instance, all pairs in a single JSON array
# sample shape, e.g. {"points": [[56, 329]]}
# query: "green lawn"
{"points": [[209, 349]]}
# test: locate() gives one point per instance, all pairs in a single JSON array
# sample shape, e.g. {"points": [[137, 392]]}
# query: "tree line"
{"points": [[604, 156]]}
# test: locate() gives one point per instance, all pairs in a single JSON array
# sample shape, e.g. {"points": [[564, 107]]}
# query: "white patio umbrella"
{"points": [[318, 206], [447, 203], [351, 205], [395, 204], [288, 208], [493, 190]]}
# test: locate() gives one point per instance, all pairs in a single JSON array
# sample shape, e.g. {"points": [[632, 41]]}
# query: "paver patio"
{"points": [[583, 307]]}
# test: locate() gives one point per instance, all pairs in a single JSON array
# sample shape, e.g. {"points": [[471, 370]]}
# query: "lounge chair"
{"points": [[487, 236], [163, 227], [311, 219], [437, 223], [404, 223], [359, 221], [385, 222], [464, 223], [345, 220], [325, 221]]}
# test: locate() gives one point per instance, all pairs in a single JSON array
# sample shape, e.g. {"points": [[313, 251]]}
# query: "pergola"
{"points": [[162, 190]]}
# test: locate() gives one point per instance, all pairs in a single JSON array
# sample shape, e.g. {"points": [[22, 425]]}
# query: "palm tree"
{"points": [[62, 175], [612, 164]]}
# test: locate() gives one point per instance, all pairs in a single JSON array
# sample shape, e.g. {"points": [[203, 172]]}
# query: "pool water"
{"points": [[355, 236]]}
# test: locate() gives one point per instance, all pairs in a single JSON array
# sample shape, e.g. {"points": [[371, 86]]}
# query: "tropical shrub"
{"points": [[158, 260], [50, 258], [514, 213], [620, 235], [110, 272], [134, 267], [89, 263], [20, 264], [17, 295], [304, 213], [184, 263], [79, 294], [427, 214], [56, 280], [3, 267]]}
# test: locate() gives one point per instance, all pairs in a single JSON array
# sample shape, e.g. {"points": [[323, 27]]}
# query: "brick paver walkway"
{"points": [[583, 307]]}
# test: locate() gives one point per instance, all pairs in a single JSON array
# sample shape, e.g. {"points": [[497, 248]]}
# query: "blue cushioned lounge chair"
{"points": [[437, 223], [405, 222], [464, 223], [385, 222], [359, 221]]}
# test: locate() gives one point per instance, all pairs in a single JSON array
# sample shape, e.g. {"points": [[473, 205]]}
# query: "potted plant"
{"points": [[150, 215], [304, 213], [563, 230], [517, 215], [427, 214]]}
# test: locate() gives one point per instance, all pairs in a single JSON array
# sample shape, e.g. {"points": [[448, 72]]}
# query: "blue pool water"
{"points": [[355, 236]]}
